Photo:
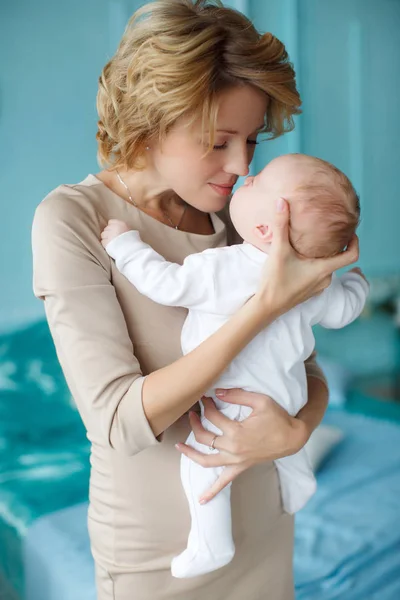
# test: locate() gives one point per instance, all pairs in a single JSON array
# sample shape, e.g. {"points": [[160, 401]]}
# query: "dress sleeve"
{"points": [[72, 274], [314, 370]]}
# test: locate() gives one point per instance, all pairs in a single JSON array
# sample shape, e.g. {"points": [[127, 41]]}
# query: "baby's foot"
{"points": [[192, 563]]}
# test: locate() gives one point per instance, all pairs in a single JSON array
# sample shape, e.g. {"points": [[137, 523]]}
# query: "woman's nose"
{"points": [[238, 163]]}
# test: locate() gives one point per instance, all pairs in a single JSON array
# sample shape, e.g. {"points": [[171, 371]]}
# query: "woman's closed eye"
{"points": [[225, 145]]}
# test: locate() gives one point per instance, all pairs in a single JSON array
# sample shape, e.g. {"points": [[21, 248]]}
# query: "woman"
{"points": [[180, 106]]}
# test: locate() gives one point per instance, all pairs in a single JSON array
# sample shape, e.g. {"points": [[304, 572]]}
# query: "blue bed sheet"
{"points": [[348, 536], [58, 564]]}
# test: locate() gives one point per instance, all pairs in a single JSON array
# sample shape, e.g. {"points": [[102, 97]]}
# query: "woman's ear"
{"points": [[264, 233]]}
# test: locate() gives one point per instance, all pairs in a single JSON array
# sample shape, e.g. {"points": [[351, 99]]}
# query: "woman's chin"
{"points": [[212, 205], [207, 203]]}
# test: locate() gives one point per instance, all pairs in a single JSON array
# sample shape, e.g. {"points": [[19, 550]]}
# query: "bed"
{"points": [[347, 538]]}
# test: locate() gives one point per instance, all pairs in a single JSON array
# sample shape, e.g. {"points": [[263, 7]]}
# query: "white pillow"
{"points": [[322, 441]]}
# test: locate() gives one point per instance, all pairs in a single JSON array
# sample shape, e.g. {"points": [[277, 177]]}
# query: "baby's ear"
{"points": [[264, 233]]}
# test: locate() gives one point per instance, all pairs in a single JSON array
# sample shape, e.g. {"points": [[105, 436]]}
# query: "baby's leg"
{"points": [[210, 544], [297, 480]]}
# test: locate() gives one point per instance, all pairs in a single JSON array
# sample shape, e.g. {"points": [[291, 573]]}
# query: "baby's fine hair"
{"points": [[175, 59], [330, 206]]}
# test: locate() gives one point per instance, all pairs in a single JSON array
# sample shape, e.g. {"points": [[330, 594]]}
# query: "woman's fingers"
{"points": [[227, 476], [281, 226], [346, 258], [216, 417], [203, 436], [236, 396], [206, 460]]}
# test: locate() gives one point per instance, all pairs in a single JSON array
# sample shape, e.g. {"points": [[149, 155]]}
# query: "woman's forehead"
{"points": [[241, 110]]}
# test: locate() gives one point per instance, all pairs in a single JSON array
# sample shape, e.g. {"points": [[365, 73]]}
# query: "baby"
{"points": [[324, 213]]}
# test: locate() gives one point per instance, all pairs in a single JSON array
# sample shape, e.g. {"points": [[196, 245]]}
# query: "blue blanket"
{"points": [[44, 453]]}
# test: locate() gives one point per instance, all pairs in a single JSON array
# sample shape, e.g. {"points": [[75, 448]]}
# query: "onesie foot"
{"points": [[191, 564]]}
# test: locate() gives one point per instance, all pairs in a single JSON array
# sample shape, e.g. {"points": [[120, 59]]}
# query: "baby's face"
{"points": [[254, 203]]}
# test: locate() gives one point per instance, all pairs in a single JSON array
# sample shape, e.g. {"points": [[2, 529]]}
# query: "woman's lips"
{"points": [[222, 190]]}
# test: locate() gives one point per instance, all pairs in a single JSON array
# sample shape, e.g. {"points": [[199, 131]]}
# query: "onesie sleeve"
{"points": [[190, 285], [72, 275], [344, 300]]}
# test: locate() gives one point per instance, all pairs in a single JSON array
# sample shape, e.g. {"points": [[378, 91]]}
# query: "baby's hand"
{"points": [[113, 230], [359, 272]]}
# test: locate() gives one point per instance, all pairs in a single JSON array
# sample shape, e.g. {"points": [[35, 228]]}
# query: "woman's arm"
{"points": [[312, 413], [171, 391], [72, 274]]}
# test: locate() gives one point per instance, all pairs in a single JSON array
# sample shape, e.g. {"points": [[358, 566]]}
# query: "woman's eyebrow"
{"points": [[236, 132]]}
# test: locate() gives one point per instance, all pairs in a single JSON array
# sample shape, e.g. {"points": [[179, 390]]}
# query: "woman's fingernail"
{"points": [[178, 446], [220, 393], [202, 501], [279, 205]]}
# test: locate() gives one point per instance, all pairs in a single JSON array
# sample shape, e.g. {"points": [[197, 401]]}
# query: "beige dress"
{"points": [[108, 337]]}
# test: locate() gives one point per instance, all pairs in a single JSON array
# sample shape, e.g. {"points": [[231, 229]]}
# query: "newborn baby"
{"points": [[324, 214]]}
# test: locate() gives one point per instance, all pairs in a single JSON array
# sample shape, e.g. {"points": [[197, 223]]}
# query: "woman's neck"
{"points": [[146, 191], [157, 200]]}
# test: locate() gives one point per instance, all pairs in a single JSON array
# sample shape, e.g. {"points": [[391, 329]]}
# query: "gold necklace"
{"points": [[166, 215]]}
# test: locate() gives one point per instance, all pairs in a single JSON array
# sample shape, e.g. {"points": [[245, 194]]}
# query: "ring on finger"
{"points": [[212, 445]]}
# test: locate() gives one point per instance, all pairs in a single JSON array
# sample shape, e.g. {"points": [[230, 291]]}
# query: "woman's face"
{"points": [[206, 182]]}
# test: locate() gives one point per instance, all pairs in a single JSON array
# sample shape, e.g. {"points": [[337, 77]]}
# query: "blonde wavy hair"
{"points": [[174, 60]]}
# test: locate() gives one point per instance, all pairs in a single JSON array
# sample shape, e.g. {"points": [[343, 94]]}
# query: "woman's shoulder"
{"points": [[71, 203], [70, 219], [66, 239]]}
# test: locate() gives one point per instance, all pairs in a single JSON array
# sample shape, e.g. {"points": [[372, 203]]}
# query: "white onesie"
{"points": [[213, 285]]}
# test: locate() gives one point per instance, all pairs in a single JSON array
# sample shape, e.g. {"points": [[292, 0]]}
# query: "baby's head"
{"points": [[324, 208]]}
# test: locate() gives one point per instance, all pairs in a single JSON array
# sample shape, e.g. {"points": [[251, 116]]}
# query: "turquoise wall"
{"points": [[52, 54], [347, 59], [346, 53]]}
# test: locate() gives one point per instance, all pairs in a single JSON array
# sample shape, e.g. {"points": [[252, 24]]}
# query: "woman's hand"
{"points": [[290, 279], [268, 433]]}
